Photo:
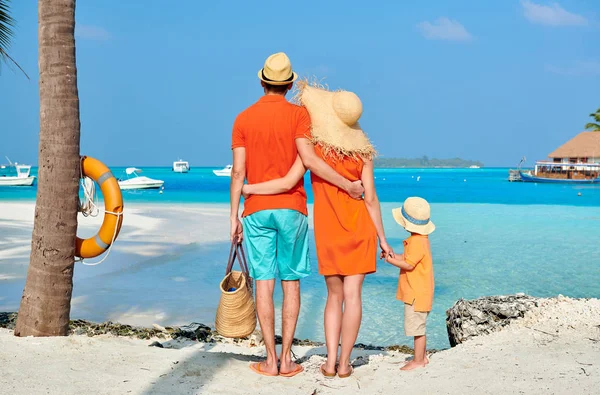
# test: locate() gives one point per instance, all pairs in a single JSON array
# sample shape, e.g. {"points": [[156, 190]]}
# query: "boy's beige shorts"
{"points": [[414, 321]]}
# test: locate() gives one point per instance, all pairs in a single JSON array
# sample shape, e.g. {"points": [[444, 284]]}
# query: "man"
{"points": [[267, 137]]}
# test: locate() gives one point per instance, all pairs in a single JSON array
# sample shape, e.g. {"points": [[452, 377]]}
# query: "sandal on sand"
{"points": [[256, 368], [326, 373], [299, 369], [346, 375]]}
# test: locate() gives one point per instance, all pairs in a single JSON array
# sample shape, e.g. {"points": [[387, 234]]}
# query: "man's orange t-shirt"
{"points": [[268, 130], [416, 287]]}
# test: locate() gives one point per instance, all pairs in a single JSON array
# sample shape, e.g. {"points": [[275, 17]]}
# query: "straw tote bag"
{"points": [[236, 314]]}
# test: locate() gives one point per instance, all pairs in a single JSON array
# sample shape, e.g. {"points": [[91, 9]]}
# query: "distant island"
{"points": [[425, 162]]}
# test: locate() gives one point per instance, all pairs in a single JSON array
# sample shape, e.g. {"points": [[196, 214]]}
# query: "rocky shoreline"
{"points": [[464, 320], [191, 332], [470, 318]]}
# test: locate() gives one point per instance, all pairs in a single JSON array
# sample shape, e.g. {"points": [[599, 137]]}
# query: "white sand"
{"points": [[160, 227], [555, 349]]}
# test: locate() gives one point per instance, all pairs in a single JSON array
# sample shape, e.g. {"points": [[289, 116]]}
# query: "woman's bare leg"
{"points": [[333, 319], [351, 318]]}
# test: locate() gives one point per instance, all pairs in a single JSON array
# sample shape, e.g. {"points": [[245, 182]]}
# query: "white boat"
{"points": [[224, 172], [181, 166], [474, 167], [134, 181], [21, 179]]}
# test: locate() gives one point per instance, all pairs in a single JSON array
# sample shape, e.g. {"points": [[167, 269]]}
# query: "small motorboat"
{"points": [[135, 181], [22, 177], [181, 166], [224, 172]]}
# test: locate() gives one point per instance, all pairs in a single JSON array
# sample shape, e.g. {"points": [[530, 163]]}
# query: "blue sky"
{"points": [[486, 80]]}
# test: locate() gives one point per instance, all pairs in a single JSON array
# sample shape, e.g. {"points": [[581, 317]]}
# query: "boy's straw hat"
{"points": [[414, 216], [334, 117], [277, 70]]}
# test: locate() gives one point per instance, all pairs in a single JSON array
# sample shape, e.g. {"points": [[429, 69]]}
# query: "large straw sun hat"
{"points": [[334, 118], [414, 216], [277, 70]]}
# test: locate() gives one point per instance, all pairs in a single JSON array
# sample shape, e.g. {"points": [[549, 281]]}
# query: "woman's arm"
{"points": [[373, 207], [318, 166], [278, 185]]}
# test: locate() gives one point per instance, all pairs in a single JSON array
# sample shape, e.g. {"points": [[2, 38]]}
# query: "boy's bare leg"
{"points": [[420, 359], [289, 312]]}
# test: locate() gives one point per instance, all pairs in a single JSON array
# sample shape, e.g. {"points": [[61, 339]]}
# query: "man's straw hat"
{"points": [[334, 117], [414, 216], [277, 70]]}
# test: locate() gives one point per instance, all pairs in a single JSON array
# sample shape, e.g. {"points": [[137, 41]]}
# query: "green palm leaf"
{"points": [[7, 23], [594, 127]]}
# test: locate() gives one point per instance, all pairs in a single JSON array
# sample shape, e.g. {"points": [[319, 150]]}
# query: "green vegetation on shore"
{"points": [[425, 162]]}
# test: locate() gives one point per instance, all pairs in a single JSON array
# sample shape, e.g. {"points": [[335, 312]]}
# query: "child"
{"points": [[415, 286]]}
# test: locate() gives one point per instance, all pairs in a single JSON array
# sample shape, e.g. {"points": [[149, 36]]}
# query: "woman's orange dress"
{"points": [[345, 235]]}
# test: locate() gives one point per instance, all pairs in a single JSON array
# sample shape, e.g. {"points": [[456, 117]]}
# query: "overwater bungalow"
{"points": [[576, 161]]}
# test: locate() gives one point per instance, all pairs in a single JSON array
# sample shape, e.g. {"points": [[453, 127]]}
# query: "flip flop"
{"points": [[299, 369], [256, 368], [326, 374], [346, 375]]}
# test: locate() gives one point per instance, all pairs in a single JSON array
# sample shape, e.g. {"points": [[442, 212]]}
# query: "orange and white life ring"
{"points": [[113, 209]]}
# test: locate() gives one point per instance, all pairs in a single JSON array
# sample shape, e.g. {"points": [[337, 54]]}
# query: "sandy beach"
{"points": [[553, 350], [149, 231], [161, 228]]}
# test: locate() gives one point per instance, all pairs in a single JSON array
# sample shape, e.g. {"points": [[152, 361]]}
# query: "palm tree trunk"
{"points": [[46, 301]]}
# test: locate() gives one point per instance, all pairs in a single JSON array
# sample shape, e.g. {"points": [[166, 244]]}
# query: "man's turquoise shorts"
{"points": [[277, 242]]}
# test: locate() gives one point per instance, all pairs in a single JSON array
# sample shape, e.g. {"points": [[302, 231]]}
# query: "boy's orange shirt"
{"points": [[416, 287], [268, 130]]}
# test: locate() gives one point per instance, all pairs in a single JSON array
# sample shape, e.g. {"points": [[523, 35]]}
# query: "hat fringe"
{"points": [[339, 153], [329, 150]]}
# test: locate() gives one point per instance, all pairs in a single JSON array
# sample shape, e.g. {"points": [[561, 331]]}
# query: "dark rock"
{"points": [[470, 318], [156, 344], [360, 361], [8, 320], [194, 331], [298, 342]]}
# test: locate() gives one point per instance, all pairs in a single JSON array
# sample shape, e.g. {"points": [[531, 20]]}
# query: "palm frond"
{"points": [[4, 57], [7, 23], [594, 127]]}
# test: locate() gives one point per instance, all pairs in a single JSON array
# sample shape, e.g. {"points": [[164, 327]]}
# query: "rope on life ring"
{"points": [[113, 209]]}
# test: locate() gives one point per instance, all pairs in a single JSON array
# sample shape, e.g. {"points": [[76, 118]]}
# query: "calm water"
{"points": [[435, 185], [492, 237]]}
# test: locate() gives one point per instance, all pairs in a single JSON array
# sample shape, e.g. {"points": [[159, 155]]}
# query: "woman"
{"points": [[346, 229]]}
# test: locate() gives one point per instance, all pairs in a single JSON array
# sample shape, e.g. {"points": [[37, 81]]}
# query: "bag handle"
{"points": [[236, 253]]}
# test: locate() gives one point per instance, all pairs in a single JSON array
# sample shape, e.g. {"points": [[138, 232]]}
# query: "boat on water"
{"points": [[135, 181], [575, 162], [16, 175], [181, 166], [474, 167], [224, 172], [562, 173]]}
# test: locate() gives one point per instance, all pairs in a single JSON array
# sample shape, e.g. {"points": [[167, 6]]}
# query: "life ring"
{"points": [[113, 209]]}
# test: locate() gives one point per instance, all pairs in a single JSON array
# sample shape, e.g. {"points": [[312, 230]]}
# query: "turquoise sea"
{"points": [[493, 237]]}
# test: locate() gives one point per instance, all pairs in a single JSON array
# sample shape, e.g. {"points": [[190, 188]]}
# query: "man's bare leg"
{"points": [[266, 318], [289, 313]]}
